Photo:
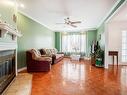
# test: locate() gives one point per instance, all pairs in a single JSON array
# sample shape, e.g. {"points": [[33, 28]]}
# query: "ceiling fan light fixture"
{"points": [[71, 23]]}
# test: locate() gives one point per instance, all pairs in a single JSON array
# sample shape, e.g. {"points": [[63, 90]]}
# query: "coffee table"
{"points": [[75, 57]]}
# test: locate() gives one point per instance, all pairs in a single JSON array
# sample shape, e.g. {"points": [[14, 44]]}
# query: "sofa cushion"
{"points": [[43, 51], [49, 52], [55, 51], [35, 53]]}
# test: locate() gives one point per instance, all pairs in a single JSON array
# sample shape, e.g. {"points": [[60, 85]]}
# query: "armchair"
{"points": [[36, 62]]}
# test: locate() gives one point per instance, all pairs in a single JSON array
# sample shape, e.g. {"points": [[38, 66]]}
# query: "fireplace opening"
{"points": [[7, 68]]}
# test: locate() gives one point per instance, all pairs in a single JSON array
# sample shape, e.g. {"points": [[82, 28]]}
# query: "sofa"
{"points": [[37, 62], [53, 53]]}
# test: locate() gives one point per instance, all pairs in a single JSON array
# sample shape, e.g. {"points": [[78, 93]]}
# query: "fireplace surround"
{"points": [[8, 64], [7, 68], [8, 54]]}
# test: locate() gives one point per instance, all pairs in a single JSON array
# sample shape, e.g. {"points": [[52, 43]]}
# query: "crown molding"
{"points": [[34, 20], [105, 18], [116, 11]]}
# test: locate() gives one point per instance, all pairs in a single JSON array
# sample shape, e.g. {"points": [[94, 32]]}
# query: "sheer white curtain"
{"points": [[74, 43]]}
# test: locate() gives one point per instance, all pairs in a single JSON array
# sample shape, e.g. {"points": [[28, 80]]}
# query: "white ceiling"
{"points": [[50, 12], [121, 15]]}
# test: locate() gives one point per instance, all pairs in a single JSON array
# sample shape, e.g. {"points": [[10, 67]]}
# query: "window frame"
{"points": [[73, 34], [124, 46]]}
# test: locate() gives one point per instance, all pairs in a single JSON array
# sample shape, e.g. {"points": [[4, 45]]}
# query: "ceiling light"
{"points": [[22, 5]]}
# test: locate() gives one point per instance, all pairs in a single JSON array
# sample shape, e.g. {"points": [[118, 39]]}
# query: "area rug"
{"points": [[21, 85]]}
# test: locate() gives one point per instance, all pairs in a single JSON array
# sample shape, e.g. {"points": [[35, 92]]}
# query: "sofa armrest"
{"points": [[45, 55], [43, 59]]}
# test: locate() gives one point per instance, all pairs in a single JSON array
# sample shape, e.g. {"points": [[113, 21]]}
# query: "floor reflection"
{"points": [[124, 76], [72, 71], [80, 78]]}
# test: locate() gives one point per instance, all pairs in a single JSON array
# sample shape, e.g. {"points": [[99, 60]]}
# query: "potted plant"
{"points": [[99, 57]]}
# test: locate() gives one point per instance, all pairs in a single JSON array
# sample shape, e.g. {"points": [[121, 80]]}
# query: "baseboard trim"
{"points": [[122, 64], [21, 69]]}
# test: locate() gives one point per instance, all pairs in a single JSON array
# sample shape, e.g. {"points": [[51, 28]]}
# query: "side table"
{"points": [[113, 53]]}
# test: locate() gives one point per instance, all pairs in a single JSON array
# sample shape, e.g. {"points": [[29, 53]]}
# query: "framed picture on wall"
{"points": [[14, 18], [99, 36]]}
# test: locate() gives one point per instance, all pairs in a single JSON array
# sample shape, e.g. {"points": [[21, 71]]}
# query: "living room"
{"points": [[62, 47]]}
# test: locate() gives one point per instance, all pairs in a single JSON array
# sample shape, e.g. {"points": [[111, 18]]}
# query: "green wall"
{"points": [[58, 40], [34, 36], [91, 36]]}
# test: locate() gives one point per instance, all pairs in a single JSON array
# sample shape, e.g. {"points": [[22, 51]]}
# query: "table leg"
{"points": [[113, 59], [117, 60]]}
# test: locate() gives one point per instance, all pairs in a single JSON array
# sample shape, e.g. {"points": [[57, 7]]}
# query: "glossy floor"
{"points": [[21, 85], [80, 78]]}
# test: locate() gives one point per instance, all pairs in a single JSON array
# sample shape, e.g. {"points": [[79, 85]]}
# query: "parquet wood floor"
{"points": [[80, 78]]}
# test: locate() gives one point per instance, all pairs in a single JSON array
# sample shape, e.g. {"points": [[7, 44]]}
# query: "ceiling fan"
{"points": [[67, 21]]}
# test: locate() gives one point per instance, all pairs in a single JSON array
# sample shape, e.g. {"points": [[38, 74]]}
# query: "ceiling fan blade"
{"points": [[73, 25], [60, 23], [76, 22]]}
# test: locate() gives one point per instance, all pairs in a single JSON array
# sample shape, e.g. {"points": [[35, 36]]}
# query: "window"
{"points": [[74, 42], [124, 46]]}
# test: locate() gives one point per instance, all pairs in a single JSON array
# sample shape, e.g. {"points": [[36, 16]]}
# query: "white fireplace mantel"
{"points": [[6, 29]]}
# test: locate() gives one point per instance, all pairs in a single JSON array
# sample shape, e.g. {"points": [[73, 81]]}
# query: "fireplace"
{"points": [[7, 68]]}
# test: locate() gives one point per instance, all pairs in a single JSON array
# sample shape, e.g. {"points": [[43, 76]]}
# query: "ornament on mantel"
{"points": [[14, 18]]}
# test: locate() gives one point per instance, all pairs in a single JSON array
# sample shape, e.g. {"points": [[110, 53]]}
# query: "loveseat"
{"points": [[36, 62], [53, 53]]}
